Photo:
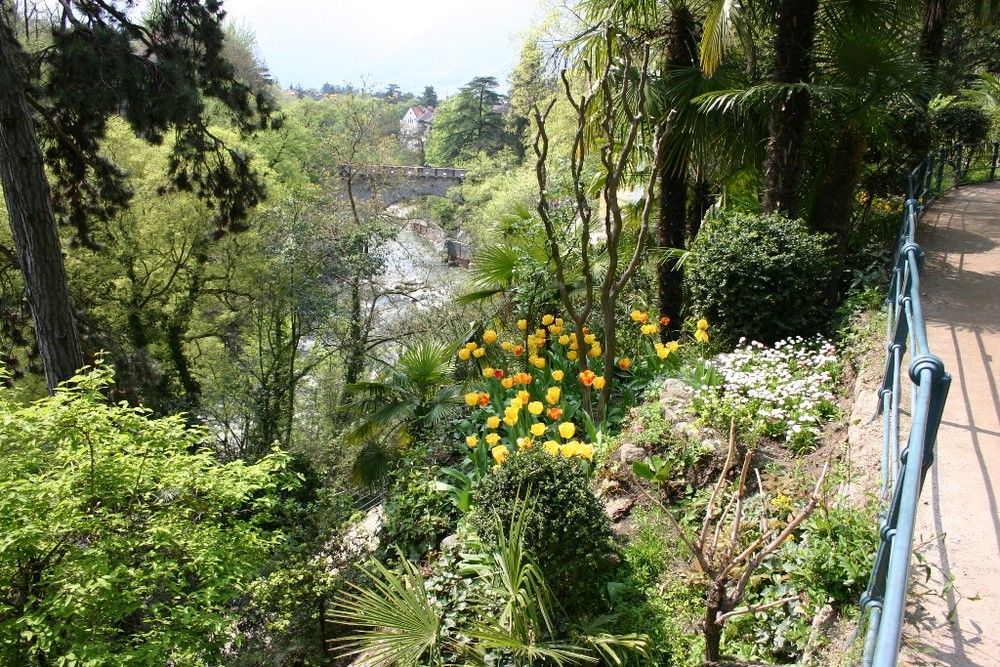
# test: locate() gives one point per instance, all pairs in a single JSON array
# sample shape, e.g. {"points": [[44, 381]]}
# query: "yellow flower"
{"points": [[516, 403], [589, 338], [507, 383], [470, 346], [599, 382], [551, 447], [487, 372], [510, 420], [701, 336], [489, 336], [524, 444], [538, 362], [586, 451], [555, 329], [493, 421], [464, 354], [524, 397], [492, 439], [596, 350], [500, 453], [547, 320], [532, 342], [571, 355], [662, 351], [522, 378], [566, 430], [703, 324], [557, 375], [636, 315], [537, 429], [472, 398], [471, 440], [570, 449], [564, 340], [624, 363], [507, 345], [559, 321], [522, 325], [535, 407], [478, 352], [673, 345], [552, 395], [648, 329]]}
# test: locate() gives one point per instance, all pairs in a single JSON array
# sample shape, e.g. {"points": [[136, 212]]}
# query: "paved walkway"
{"points": [[954, 617]]}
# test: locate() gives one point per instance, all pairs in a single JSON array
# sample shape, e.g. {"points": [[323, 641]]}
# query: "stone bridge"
{"points": [[393, 184]]}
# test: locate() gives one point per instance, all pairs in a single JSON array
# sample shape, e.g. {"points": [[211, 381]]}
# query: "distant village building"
{"points": [[415, 128]]}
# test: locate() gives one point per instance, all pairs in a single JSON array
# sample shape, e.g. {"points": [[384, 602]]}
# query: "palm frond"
{"points": [[393, 621]]}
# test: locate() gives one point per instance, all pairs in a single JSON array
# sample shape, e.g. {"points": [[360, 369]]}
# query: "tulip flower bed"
{"points": [[784, 392], [533, 393]]}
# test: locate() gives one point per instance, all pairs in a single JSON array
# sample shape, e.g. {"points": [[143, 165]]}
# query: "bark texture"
{"points": [[789, 111], [29, 204]]}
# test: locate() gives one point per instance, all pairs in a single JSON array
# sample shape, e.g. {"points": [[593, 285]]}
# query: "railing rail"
{"points": [[905, 462]]}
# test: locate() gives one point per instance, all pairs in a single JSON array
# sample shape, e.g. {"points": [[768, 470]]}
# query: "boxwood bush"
{"points": [[757, 276], [567, 532]]}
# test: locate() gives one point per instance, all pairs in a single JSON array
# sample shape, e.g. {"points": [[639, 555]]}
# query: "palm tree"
{"points": [[401, 407]]}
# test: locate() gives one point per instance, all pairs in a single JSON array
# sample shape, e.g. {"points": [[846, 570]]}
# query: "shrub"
{"points": [[762, 277], [417, 515], [567, 531]]}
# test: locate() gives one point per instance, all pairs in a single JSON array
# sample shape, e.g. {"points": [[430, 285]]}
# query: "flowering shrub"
{"points": [[783, 392]]}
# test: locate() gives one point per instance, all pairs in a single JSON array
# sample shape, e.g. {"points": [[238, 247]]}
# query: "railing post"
{"points": [[940, 175], [958, 164], [993, 162], [928, 174]]}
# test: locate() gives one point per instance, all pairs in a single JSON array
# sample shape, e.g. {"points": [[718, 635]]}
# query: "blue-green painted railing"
{"points": [[905, 463]]}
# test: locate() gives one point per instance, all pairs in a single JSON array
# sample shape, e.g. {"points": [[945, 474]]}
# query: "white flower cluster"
{"points": [[784, 391]]}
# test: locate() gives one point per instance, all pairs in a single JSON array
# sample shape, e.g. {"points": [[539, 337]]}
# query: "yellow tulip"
{"points": [[524, 444], [566, 430], [493, 421], [636, 315], [500, 453], [571, 355], [470, 346], [703, 324], [557, 375], [492, 439], [489, 336], [522, 325], [551, 447], [464, 354], [488, 372], [538, 362], [537, 429], [599, 382], [564, 340], [552, 395], [507, 383], [547, 320], [478, 352], [471, 440], [535, 408], [586, 451], [472, 398]]}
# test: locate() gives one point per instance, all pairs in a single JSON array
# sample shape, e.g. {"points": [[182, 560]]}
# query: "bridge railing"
{"points": [[905, 462], [401, 171]]}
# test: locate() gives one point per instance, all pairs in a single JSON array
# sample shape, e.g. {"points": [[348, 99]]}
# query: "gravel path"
{"points": [[954, 616]]}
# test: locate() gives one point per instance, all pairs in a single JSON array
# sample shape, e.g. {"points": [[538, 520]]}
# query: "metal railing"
{"points": [[905, 463]]}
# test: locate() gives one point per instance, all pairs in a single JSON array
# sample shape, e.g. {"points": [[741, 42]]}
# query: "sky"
{"points": [[374, 43]]}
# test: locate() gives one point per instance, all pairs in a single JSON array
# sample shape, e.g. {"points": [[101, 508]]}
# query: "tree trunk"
{"points": [[789, 111], [932, 33], [682, 50], [670, 234], [32, 221], [835, 202], [713, 629]]}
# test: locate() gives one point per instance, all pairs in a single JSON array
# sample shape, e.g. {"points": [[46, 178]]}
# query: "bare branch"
{"points": [[753, 609]]}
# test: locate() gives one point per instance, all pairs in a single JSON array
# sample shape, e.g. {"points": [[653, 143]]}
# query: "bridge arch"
{"points": [[391, 184]]}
